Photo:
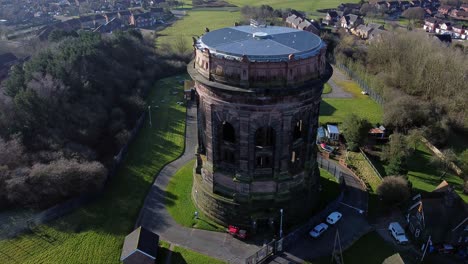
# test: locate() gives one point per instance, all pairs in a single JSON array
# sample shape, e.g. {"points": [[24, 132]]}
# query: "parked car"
{"points": [[397, 233], [318, 230], [237, 232], [334, 217]]}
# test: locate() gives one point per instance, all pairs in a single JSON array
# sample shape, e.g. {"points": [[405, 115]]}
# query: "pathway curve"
{"points": [[156, 218], [337, 90]]}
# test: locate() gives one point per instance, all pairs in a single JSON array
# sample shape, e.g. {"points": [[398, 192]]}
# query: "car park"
{"points": [[318, 230], [333, 218], [397, 233]]}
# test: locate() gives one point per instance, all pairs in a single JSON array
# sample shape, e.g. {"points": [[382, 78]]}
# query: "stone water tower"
{"points": [[258, 91]]}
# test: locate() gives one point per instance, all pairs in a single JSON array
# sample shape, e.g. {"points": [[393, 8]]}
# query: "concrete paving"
{"points": [[337, 90], [156, 218]]}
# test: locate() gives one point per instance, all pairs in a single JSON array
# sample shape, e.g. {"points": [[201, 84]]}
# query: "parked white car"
{"points": [[334, 217], [318, 230], [397, 233]]}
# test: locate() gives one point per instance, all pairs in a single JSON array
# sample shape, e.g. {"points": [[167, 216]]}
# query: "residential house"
{"points": [[444, 28], [459, 14], [140, 246], [92, 21], [349, 6], [430, 11], [126, 17], [445, 9], [331, 18], [333, 132], [393, 6], [415, 3], [430, 24], [376, 35], [363, 31], [464, 7], [111, 26], [301, 23], [144, 20], [404, 5], [381, 5], [351, 21], [458, 31], [442, 216]]}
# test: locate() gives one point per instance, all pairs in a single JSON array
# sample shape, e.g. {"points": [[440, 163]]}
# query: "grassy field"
{"points": [[183, 256], [371, 247], [426, 177], [327, 88], [181, 206], [194, 24], [334, 110], [95, 233]]}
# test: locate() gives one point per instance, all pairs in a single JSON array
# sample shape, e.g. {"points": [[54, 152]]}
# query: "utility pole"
{"points": [[281, 224], [149, 113], [337, 254]]}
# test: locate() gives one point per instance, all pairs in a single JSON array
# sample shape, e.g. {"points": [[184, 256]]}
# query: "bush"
{"points": [[355, 130], [393, 190]]}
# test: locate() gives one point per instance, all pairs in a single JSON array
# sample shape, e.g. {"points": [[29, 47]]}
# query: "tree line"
{"points": [[66, 112]]}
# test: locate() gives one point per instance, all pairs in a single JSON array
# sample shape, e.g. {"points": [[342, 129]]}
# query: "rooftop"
{"points": [[269, 43]]}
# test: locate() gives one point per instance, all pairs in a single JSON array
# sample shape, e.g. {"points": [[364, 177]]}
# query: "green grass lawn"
{"points": [[330, 188], [327, 88], [182, 256], [95, 233], [334, 110], [181, 206], [370, 247], [194, 24], [426, 177]]}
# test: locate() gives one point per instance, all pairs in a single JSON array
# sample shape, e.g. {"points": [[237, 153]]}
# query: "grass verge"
{"points": [[334, 110], [327, 88], [95, 232], [179, 201]]}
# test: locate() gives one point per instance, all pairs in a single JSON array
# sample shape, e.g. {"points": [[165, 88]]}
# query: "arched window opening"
{"points": [[229, 134], [228, 156], [265, 137], [298, 130], [263, 162]]}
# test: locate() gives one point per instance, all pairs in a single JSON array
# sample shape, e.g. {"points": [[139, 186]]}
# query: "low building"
{"points": [[351, 21], [442, 217], [140, 247], [363, 31], [444, 28], [464, 7], [430, 24], [331, 18], [458, 31], [333, 132], [445, 9], [298, 22]]}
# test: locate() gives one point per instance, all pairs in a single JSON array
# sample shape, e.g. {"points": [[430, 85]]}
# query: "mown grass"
{"points": [[370, 248], [181, 206], [425, 176], [330, 189], [334, 110], [194, 24], [95, 233], [327, 88], [182, 256]]}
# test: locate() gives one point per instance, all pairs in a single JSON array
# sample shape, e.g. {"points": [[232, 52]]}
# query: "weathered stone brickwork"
{"points": [[257, 123]]}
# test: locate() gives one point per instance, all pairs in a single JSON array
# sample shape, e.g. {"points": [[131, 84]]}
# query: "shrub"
{"points": [[393, 190]]}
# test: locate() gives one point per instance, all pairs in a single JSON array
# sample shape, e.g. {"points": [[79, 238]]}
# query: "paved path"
{"points": [[337, 90], [155, 217]]}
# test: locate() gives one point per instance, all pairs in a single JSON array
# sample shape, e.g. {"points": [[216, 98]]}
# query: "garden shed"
{"points": [[333, 132], [140, 246]]}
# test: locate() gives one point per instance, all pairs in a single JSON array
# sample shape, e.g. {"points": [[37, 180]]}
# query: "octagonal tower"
{"points": [[258, 91]]}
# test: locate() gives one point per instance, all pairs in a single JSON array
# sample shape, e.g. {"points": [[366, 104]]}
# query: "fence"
{"points": [[12, 225], [374, 95], [370, 163]]}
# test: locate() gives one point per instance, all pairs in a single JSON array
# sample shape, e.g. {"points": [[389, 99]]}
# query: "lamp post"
{"points": [[149, 113], [281, 224]]}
